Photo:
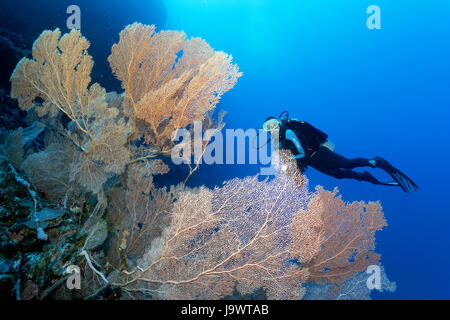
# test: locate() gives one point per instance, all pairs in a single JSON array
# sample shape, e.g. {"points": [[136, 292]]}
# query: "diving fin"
{"points": [[402, 179], [372, 179], [392, 183], [406, 183]]}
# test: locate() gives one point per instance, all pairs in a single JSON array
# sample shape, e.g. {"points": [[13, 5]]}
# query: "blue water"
{"points": [[375, 92]]}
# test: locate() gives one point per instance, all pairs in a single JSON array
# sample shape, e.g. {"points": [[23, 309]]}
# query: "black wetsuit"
{"points": [[333, 164], [319, 157]]}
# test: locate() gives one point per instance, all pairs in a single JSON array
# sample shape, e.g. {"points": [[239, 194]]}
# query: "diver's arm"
{"points": [[290, 135]]}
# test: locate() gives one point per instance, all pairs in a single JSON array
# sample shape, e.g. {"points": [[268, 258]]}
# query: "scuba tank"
{"points": [[310, 137]]}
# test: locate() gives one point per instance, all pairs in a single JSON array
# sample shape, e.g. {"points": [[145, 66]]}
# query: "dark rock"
{"points": [[6, 286], [8, 248], [31, 290], [5, 265], [4, 213]]}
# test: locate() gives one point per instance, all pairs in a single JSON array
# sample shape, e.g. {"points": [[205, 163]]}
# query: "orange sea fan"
{"points": [[347, 237], [170, 81]]}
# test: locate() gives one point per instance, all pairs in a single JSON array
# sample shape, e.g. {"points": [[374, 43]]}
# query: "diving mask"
{"points": [[271, 124]]}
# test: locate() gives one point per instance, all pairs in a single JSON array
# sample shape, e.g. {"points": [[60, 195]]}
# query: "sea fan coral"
{"points": [[348, 234], [141, 208], [254, 233], [238, 235], [179, 243], [59, 74], [170, 81]]}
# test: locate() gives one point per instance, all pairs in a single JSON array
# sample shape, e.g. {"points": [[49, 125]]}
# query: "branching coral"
{"points": [[141, 208], [170, 82], [59, 74], [355, 288], [48, 170], [347, 237], [189, 244], [239, 234], [106, 155], [255, 233]]}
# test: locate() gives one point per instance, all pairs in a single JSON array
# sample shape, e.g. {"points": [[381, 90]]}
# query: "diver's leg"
{"points": [[326, 158], [350, 174]]}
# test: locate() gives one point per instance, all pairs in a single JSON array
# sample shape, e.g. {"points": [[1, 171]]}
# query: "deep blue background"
{"points": [[375, 92]]}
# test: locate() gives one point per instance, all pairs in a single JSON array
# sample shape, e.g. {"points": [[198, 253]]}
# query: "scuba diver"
{"points": [[310, 147]]}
